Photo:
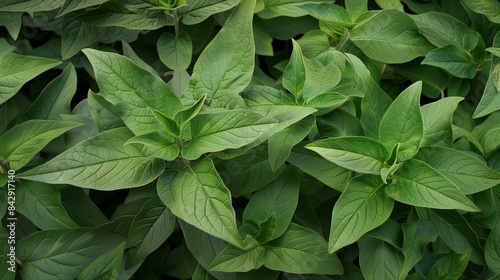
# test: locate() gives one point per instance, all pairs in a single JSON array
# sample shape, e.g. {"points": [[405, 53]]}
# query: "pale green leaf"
{"points": [[25, 140], [357, 153], [106, 266], [197, 11], [278, 198], [102, 162], [454, 59], [175, 51], [492, 249], [157, 145], [330, 13], [379, 260], [54, 99], [16, 70], [489, 8], [362, 207], [198, 196], [41, 204], [214, 131], [184, 116], [449, 267], [402, 123], [416, 183], [466, 171], [355, 8], [290, 8], [380, 39], [294, 76], [234, 259], [437, 117], [74, 250], [132, 90], [301, 250], [225, 66], [443, 30]]}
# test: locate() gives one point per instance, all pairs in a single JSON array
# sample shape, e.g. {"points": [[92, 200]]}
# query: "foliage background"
{"points": [[269, 139]]}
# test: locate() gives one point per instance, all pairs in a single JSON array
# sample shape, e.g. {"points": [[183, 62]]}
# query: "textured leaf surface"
{"points": [[198, 196], [488, 133], [294, 76], [454, 60], [378, 259], [492, 249], [175, 51], [437, 117], [106, 266], [275, 8], [233, 259], [362, 207], [198, 10], [449, 267], [416, 183], [102, 162], [489, 8]]}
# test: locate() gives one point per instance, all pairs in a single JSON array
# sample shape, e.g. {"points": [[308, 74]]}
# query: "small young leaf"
{"points": [[198, 196], [380, 39], [402, 123], [294, 76], [301, 250], [16, 70], [102, 162], [362, 207], [106, 266], [449, 267], [184, 116], [416, 183], [175, 51], [234, 259], [454, 59], [157, 144], [25, 140], [169, 125], [357, 153]]}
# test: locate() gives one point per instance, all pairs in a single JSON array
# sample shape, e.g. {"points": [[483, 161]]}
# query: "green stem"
{"points": [[343, 40]]}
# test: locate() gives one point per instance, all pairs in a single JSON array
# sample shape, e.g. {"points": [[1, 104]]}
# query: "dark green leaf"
{"points": [[106, 266], [379, 260], [449, 267]]}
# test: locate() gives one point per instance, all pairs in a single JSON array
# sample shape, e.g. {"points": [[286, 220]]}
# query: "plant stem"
{"points": [[343, 40]]}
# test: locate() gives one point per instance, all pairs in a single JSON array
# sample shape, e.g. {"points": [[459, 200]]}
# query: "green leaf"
{"points": [[184, 116], [157, 145], [490, 99], [278, 198], [104, 114], [416, 237], [54, 99], [380, 39], [459, 132], [355, 8], [198, 10], [489, 8], [379, 260], [301, 250], [390, 4], [357, 153], [454, 59], [74, 250], [402, 123], [81, 208], [106, 266], [102, 162], [294, 76], [16, 70], [31, 6], [132, 90], [488, 133], [25, 140], [416, 183], [234, 259], [437, 117], [458, 234], [149, 229], [324, 170], [362, 207], [290, 8], [225, 66], [41, 203], [175, 51], [375, 101], [434, 80], [442, 30], [169, 125], [319, 78], [492, 249], [74, 5], [130, 53], [330, 13], [11, 21], [449, 267], [214, 131], [466, 171], [198, 196], [280, 144], [77, 35]]}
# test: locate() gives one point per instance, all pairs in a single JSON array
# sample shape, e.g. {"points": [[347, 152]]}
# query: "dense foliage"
{"points": [[252, 139]]}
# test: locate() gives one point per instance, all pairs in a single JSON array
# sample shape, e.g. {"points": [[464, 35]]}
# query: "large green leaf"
{"points": [[198, 196], [362, 207], [25, 140], [416, 183], [402, 123], [63, 253], [492, 249], [416, 237], [102, 162], [41, 203], [290, 8], [234, 259], [454, 59], [214, 131], [301, 250], [278, 199], [489, 8], [134, 92], [357, 153], [198, 10], [16, 70], [380, 39], [106, 266], [443, 30], [437, 117], [466, 171], [379, 260], [175, 51], [225, 66], [449, 267]]}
